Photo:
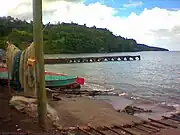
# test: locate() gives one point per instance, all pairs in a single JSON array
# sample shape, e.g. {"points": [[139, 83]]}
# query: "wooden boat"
{"points": [[52, 80]]}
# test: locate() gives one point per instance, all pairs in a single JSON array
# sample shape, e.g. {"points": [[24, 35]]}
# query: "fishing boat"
{"points": [[52, 80]]}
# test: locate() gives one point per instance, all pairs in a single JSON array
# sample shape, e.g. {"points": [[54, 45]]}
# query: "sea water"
{"points": [[154, 78]]}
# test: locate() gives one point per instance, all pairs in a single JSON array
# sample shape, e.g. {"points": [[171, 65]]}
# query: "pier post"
{"points": [[39, 59]]}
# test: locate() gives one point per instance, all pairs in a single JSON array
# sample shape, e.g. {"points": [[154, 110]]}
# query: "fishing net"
{"points": [[15, 71], [23, 74]]}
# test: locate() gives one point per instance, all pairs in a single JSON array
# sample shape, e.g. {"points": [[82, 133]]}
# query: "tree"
{"points": [[68, 37]]}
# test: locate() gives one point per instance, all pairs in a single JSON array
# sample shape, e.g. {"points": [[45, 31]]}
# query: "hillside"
{"points": [[69, 38]]}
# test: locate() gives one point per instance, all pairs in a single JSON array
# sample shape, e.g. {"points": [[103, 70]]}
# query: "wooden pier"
{"points": [[91, 59]]}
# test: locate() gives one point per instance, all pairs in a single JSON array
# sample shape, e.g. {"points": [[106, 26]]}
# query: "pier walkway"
{"points": [[91, 59]]}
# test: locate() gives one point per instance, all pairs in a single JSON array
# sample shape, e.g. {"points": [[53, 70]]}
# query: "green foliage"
{"points": [[66, 38], [17, 37]]}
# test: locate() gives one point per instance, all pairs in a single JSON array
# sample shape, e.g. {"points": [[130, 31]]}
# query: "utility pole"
{"points": [[39, 60]]}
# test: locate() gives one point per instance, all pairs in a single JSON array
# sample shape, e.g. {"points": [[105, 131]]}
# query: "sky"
{"points": [[151, 22]]}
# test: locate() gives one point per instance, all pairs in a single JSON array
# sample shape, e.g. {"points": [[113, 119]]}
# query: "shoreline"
{"points": [[124, 99], [71, 111], [119, 103]]}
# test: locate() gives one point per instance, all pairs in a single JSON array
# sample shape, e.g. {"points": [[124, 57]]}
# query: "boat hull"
{"points": [[52, 80]]}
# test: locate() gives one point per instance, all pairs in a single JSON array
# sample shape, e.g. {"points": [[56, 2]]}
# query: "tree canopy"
{"points": [[68, 38]]}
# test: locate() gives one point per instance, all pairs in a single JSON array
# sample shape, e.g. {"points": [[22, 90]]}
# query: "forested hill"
{"points": [[69, 38]]}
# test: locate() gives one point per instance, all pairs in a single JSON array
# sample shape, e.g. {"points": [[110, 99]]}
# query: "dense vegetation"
{"points": [[68, 38]]}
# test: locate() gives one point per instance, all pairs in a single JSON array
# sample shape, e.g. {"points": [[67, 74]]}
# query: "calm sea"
{"points": [[154, 78]]}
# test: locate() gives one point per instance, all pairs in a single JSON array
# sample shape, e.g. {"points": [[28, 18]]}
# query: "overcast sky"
{"points": [[152, 22]]}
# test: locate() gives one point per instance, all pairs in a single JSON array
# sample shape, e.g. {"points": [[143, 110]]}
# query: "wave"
{"points": [[166, 108], [175, 106], [96, 87]]}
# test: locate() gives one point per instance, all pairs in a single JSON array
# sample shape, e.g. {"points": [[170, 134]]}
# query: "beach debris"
{"points": [[98, 131], [172, 118], [56, 97], [177, 116], [133, 109], [18, 129], [154, 125], [162, 123], [112, 130], [29, 106], [83, 92], [123, 129], [144, 127], [84, 131], [154, 129]]}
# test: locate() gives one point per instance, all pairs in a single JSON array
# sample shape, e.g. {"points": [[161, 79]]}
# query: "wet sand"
{"points": [[120, 102]]}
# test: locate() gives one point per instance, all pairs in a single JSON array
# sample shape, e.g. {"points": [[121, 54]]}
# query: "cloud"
{"points": [[23, 8], [62, 0], [169, 36], [156, 26], [133, 4]]}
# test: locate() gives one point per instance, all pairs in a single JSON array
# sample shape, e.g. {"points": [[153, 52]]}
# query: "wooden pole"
{"points": [[39, 57]]}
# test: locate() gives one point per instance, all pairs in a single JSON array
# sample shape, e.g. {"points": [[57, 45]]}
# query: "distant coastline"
{"points": [[143, 47], [69, 38]]}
